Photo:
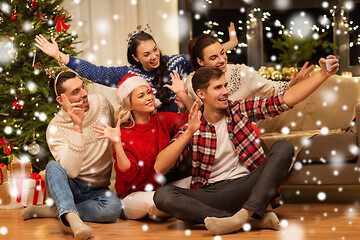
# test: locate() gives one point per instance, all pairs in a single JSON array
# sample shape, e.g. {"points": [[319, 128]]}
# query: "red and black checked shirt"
{"points": [[239, 117]]}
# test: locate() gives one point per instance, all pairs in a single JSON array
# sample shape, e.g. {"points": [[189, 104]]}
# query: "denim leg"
{"points": [[71, 195], [57, 185], [97, 204]]}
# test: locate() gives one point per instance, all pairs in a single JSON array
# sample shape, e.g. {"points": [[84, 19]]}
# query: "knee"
{"points": [[285, 148], [112, 209], [53, 166], [163, 197]]}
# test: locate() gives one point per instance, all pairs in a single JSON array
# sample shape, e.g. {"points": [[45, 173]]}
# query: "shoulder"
{"points": [[178, 58]]}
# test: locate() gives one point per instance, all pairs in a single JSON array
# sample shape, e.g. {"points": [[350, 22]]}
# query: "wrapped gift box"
{"points": [[4, 194], [32, 192], [3, 173], [20, 168]]}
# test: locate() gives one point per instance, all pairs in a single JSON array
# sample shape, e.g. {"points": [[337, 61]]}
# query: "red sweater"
{"points": [[142, 143]]}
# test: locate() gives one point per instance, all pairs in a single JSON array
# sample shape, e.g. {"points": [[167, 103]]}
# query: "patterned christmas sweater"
{"points": [[110, 76]]}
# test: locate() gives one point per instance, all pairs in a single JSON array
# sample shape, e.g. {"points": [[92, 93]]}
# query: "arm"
{"points": [[108, 76], [302, 90], [233, 40], [167, 158], [114, 135], [178, 88]]}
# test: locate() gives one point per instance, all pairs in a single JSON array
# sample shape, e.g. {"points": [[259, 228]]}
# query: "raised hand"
{"points": [[232, 34], [50, 49], [194, 117], [303, 74], [334, 65], [74, 110], [113, 134], [177, 84]]}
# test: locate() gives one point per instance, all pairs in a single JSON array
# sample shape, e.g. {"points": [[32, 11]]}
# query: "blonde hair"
{"points": [[124, 115]]}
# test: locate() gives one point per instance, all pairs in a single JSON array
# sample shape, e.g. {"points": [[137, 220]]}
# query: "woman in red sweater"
{"points": [[140, 134]]}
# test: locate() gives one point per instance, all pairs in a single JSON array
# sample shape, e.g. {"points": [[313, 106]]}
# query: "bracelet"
{"points": [[61, 64]]}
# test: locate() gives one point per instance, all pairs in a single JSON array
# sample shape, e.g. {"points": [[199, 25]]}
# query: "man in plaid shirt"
{"points": [[232, 179]]}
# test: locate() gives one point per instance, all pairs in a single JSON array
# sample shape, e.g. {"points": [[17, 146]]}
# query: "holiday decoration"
{"points": [[4, 194], [20, 168], [18, 105], [60, 24], [34, 148], [3, 173], [23, 107], [30, 190], [33, 4], [14, 16]]}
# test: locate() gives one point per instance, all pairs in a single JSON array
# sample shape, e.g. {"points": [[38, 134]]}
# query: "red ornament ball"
{"points": [[14, 16], [18, 105], [7, 151]]}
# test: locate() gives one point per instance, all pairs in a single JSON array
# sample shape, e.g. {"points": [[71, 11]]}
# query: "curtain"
{"points": [[103, 28]]}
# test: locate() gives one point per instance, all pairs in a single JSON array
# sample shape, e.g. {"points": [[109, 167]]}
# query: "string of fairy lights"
{"points": [[348, 27]]}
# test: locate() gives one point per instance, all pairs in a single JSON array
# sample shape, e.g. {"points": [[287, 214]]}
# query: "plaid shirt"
{"points": [[239, 117]]}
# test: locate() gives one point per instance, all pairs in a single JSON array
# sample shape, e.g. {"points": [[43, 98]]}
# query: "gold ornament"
{"points": [[270, 69], [265, 74], [34, 148], [276, 75]]}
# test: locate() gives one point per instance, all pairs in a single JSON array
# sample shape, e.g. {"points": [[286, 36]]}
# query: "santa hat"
{"points": [[128, 84]]}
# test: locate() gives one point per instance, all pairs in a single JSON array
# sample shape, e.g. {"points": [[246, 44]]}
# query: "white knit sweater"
{"points": [[82, 155], [243, 81]]}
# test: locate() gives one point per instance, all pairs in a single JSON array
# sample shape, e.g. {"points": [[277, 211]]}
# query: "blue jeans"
{"points": [[93, 204]]}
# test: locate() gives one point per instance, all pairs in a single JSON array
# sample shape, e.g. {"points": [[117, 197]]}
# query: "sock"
{"points": [[270, 221], [45, 211], [80, 230], [228, 224]]}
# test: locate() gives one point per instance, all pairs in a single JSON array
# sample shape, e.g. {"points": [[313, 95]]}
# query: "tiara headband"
{"points": [[139, 29], [49, 71]]}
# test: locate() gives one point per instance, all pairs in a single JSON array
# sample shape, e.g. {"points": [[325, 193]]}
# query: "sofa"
{"points": [[322, 129]]}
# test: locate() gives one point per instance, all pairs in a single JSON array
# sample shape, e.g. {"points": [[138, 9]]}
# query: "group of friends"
{"points": [[160, 126]]}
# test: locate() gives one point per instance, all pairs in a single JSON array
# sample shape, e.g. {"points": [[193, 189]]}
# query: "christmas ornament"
{"points": [[14, 16], [18, 105], [276, 75], [33, 4], [34, 148], [7, 151], [60, 23], [1, 20]]}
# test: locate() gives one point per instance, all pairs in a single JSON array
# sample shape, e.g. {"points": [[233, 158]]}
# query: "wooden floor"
{"points": [[300, 221]]}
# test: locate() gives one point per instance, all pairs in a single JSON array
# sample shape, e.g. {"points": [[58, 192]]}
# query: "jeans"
{"points": [[93, 204], [222, 199]]}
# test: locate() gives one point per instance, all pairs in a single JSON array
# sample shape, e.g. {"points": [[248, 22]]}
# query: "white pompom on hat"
{"points": [[128, 84]]}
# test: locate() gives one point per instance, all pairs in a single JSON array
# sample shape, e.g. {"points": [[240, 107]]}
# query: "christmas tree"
{"points": [[26, 105]]}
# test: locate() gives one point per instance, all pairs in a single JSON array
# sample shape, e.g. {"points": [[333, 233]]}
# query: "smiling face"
{"points": [[214, 56], [142, 101], [75, 91], [148, 54], [216, 96]]}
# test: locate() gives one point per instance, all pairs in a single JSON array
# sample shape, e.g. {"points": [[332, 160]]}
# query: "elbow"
{"points": [[159, 169], [72, 174]]}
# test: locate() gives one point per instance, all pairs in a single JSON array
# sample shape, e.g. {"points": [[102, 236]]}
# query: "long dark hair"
{"points": [[161, 73], [196, 47]]}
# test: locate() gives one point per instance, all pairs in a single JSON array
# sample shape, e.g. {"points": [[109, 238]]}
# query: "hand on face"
{"points": [[113, 134], [74, 110], [50, 49], [334, 65]]}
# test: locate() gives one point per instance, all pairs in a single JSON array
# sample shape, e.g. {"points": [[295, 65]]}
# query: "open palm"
{"points": [[50, 48]]}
